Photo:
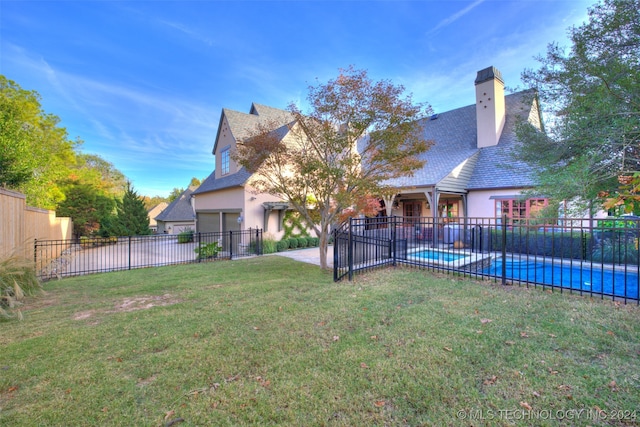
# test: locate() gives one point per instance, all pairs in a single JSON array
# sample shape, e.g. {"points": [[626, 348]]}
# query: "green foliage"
{"points": [[88, 242], [283, 245], [269, 246], [523, 240], [616, 250], [186, 236], [618, 224], [17, 280], [35, 152], [293, 225], [131, 218], [591, 97], [207, 250], [293, 242], [303, 242], [314, 241], [87, 206]]}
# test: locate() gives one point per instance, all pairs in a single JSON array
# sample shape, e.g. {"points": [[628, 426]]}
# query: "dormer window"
{"points": [[224, 161]]}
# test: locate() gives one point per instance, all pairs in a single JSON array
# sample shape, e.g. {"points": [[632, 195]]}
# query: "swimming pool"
{"points": [[434, 255], [607, 282]]}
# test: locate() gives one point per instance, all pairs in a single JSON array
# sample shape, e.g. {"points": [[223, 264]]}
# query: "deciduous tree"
{"points": [[35, 151], [591, 94], [356, 135]]}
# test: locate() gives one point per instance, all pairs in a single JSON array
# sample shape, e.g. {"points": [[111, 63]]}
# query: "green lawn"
{"points": [[271, 341]]}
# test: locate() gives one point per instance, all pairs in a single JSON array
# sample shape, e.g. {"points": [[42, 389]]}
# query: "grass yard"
{"points": [[270, 341]]}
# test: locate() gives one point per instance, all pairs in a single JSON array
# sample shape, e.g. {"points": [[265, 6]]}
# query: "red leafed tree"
{"points": [[357, 135]]}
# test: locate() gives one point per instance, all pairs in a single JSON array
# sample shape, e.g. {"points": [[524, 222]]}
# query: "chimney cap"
{"points": [[487, 74]]}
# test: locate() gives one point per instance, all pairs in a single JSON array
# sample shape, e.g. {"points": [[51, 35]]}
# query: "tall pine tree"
{"points": [[131, 217]]}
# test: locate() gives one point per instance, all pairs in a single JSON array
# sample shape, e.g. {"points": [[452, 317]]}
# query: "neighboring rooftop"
{"points": [[180, 209]]}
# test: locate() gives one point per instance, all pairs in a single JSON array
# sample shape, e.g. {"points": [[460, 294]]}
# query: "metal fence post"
{"points": [[129, 252], [230, 244], [350, 250], [198, 245], [394, 242], [504, 249]]}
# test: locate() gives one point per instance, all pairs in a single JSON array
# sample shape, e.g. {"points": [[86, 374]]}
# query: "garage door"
{"points": [[208, 222]]}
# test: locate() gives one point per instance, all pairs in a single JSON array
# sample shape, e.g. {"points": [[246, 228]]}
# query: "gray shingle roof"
{"points": [[454, 136], [234, 180], [180, 209], [243, 125], [496, 167]]}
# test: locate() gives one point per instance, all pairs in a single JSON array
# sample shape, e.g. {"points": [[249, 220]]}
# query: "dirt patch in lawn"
{"points": [[132, 304]]}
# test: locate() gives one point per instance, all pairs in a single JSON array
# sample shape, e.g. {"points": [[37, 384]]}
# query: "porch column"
{"points": [[388, 204]]}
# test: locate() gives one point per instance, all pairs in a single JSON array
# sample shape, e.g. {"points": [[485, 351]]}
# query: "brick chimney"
{"points": [[490, 112]]}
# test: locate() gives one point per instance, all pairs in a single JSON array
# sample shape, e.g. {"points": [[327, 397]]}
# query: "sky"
{"points": [[143, 83]]}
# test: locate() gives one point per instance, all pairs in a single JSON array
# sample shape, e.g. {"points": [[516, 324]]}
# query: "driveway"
{"points": [[308, 255]]}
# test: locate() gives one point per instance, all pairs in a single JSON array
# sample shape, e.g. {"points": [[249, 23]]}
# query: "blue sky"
{"points": [[143, 83]]}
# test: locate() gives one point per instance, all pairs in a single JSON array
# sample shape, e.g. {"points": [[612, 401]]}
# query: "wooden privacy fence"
{"points": [[21, 224]]}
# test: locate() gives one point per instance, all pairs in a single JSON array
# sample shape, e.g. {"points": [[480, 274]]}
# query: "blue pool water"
{"points": [[619, 283], [433, 255]]}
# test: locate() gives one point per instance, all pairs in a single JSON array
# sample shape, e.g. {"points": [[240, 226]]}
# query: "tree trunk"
{"points": [[324, 244]]}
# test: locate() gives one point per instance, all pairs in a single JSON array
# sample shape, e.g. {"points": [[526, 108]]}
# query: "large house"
{"points": [[469, 170], [225, 201]]}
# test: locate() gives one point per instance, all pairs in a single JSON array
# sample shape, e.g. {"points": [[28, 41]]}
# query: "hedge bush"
{"points": [[283, 245], [558, 244], [293, 242], [303, 242], [314, 241], [185, 236]]}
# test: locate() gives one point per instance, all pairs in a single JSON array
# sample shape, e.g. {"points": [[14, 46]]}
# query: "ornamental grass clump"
{"points": [[17, 280]]}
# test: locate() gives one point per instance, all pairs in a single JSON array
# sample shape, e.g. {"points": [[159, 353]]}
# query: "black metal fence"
{"points": [[61, 258], [597, 257]]}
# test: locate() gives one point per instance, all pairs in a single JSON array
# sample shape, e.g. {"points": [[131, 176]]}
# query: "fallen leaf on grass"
{"points": [[374, 337], [169, 415], [12, 389], [610, 333], [255, 328], [536, 394], [526, 406], [448, 348], [263, 382], [478, 332], [379, 403], [336, 338], [524, 335], [363, 365], [509, 342], [564, 387], [483, 321], [613, 386], [490, 381], [552, 335]]}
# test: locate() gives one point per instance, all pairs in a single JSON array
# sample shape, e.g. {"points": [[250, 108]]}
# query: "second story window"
{"points": [[224, 159]]}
